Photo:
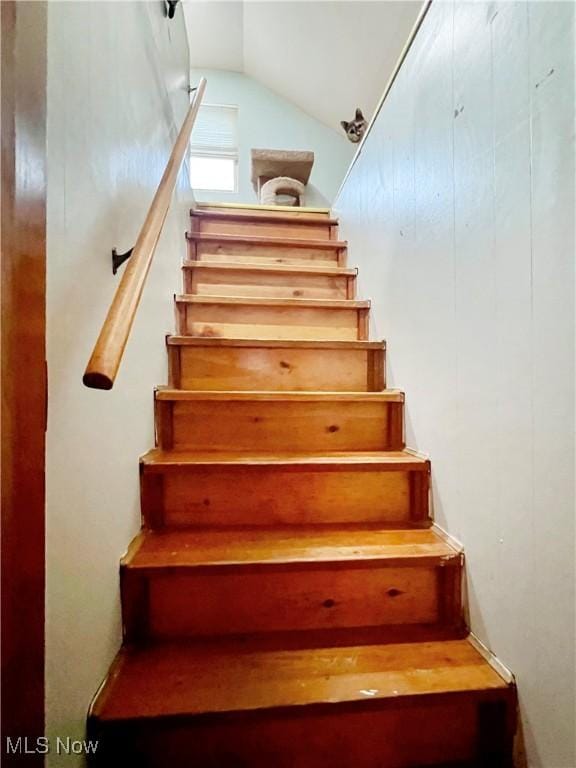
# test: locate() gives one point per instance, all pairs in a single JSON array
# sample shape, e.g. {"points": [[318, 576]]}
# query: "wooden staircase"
{"points": [[288, 603]]}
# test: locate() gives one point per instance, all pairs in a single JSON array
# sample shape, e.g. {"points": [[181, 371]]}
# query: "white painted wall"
{"points": [[328, 57], [267, 121], [460, 215], [116, 73]]}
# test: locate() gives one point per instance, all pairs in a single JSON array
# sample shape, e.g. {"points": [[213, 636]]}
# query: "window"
{"points": [[214, 149]]}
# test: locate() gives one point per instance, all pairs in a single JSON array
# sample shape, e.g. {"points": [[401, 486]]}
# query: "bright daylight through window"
{"points": [[214, 149]]}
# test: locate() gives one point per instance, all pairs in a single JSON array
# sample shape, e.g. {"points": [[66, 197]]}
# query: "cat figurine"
{"points": [[355, 128]]}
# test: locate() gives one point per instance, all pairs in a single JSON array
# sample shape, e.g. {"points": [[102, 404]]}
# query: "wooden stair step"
{"points": [[268, 211], [387, 395], [384, 461], [275, 364], [279, 678], [268, 242], [226, 489], [268, 280], [276, 302], [275, 250], [211, 583], [264, 214], [307, 226], [191, 583], [278, 269], [368, 705], [283, 546], [272, 318], [279, 421]]}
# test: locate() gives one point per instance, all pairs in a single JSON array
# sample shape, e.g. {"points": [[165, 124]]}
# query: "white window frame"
{"points": [[217, 153]]}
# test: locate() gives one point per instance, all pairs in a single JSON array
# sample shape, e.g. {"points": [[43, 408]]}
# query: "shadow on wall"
{"points": [[311, 198]]}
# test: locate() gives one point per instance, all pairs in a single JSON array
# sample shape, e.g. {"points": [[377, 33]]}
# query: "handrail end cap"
{"points": [[97, 381]]}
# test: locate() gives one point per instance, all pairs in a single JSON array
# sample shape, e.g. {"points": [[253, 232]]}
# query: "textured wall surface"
{"points": [[460, 215], [116, 77], [267, 121]]}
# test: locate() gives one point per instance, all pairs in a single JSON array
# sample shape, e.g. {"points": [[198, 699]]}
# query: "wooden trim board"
{"points": [[24, 407]]}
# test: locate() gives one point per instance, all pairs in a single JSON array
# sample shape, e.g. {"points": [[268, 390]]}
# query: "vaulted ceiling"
{"points": [[327, 57]]}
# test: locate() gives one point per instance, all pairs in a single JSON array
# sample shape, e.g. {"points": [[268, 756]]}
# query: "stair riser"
{"points": [[249, 253], [176, 603], [473, 729], [212, 282], [276, 426], [234, 496], [280, 369], [269, 322], [304, 231]]}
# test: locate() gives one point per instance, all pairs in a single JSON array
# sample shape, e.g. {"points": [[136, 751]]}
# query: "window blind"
{"points": [[215, 131]]}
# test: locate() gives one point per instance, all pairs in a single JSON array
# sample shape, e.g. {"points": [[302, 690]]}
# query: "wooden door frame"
{"points": [[24, 386]]}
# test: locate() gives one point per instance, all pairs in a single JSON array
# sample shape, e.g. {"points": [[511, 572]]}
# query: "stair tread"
{"points": [[218, 341], [385, 395], [191, 298], [270, 217], [197, 678], [393, 460], [290, 269], [292, 242], [301, 544], [236, 208]]}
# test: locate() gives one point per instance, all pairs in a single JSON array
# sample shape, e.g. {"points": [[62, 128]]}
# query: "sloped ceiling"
{"points": [[215, 34], [327, 57]]}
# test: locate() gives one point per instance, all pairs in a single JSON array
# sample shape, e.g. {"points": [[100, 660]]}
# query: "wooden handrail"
{"points": [[109, 348]]}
